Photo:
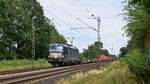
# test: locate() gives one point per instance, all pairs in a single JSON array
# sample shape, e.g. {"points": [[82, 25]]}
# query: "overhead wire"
{"points": [[81, 6], [74, 18], [63, 22], [56, 15], [63, 11], [66, 13], [91, 11], [87, 24], [60, 19]]}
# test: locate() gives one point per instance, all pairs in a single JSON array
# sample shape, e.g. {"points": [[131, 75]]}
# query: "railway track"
{"points": [[46, 74], [28, 77], [8, 72]]}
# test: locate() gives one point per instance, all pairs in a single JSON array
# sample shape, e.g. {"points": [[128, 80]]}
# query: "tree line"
{"points": [[93, 51], [137, 52], [17, 20]]}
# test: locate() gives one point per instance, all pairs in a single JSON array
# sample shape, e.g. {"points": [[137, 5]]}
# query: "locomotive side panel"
{"points": [[71, 55]]}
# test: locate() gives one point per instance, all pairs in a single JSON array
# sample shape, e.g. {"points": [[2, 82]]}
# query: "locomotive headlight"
{"points": [[62, 56], [55, 57], [51, 56]]}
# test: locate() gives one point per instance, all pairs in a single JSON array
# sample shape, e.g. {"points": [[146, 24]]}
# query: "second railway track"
{"points": [[35, 76]]}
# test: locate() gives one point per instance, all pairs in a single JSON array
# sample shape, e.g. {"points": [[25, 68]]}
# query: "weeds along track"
{"points": [[28, 77], [8, 72]]}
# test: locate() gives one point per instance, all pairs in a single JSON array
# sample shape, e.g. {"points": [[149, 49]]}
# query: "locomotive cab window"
{"points": [[56, 48]]}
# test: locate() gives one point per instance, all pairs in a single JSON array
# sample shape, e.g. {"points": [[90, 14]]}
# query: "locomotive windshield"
{"points": [[56, 48]]}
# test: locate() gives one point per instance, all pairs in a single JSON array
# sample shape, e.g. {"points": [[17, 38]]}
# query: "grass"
{"points": [[22, 64], [116, 73]]}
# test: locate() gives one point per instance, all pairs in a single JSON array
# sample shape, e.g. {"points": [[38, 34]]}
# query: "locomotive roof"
{"points": [[65, 45]]}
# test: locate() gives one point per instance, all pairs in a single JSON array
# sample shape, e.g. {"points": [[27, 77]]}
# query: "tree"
{"points": [[138, 18], [94, 51], [138, 29], [144, 3], [123, 51], [55, 37], [17, 19]]}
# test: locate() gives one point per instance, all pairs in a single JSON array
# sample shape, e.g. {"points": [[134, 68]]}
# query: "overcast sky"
{"points": [[64, 14]]}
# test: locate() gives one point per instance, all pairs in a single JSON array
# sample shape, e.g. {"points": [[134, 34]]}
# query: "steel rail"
{"points": [[8, 72], [33, 75], [53, 79], [34, 72]]}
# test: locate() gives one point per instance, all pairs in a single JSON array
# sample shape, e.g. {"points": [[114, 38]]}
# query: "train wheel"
{"points": [[79, 62], [61, 64]]}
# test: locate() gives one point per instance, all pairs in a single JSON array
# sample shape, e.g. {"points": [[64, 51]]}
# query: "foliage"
{"points": [[138, 29], [93, 51], [115, 73], [138, 63], [55, 37], [123, 51], [138, 18], [144, 3], [17, 20]]}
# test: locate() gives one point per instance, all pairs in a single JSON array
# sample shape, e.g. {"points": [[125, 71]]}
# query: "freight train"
{"points": [[63, 54], [104, 58]]}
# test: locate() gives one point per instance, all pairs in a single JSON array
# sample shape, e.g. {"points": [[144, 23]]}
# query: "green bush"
{"points": [[22, 64], [139, 63]]}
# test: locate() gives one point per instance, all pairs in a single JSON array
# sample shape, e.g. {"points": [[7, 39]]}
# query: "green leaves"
{"points": [[138, 18], [138, 62], [138, 29], [94, 51], [17, 18]]}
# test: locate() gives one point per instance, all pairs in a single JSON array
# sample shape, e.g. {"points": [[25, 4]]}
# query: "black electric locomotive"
{"points": [[63, 54]]}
